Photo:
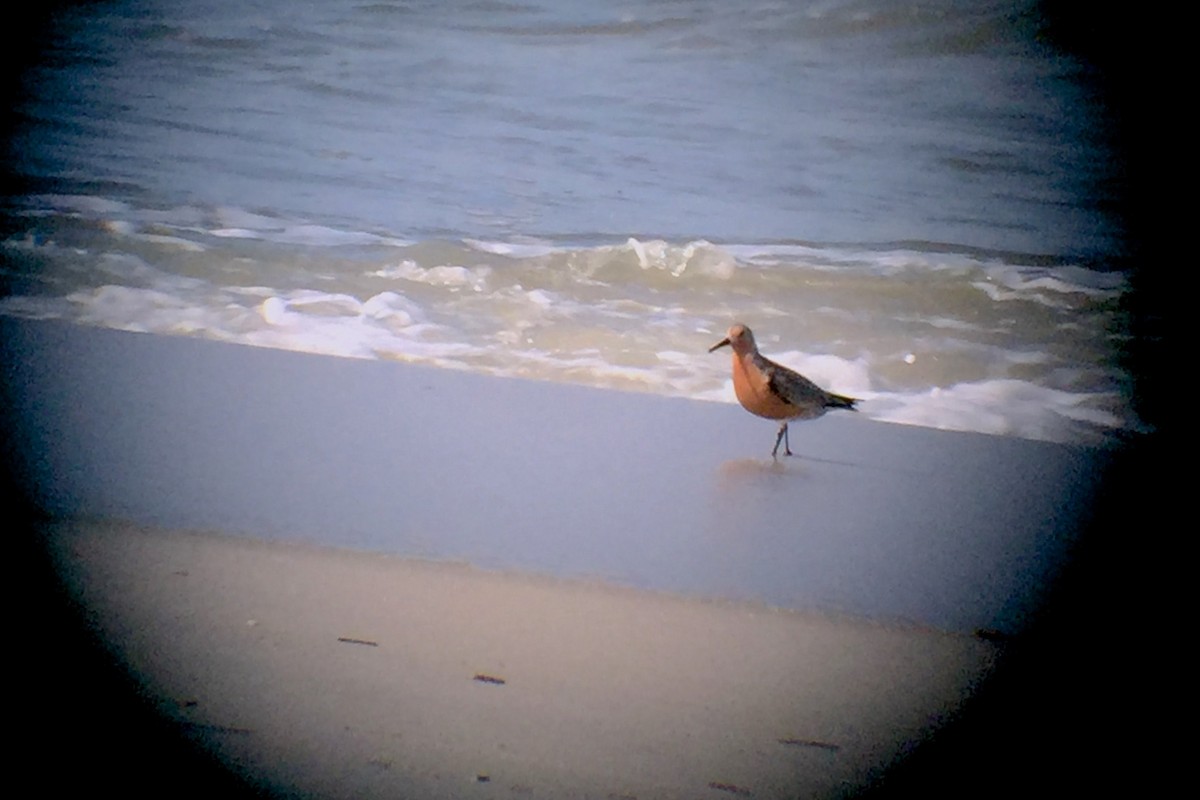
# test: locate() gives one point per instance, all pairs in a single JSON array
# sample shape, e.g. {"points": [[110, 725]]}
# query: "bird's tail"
{"points": [[841, 401]]}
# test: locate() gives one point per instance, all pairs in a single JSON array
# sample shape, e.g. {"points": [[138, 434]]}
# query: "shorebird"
{"points": [[773, 391]]}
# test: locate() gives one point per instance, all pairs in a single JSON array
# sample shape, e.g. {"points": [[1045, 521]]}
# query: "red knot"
{"points": [[773, 391]]}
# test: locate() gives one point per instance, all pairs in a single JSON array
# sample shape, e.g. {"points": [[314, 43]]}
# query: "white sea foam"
{"points": [[176, 242], [1005, 407], [516, 249], [1066, 279], [1060, 287], [144, 310], [697, 256], [393, 308], [323, 236], [637, 314], [234, 233], [442, 275]]}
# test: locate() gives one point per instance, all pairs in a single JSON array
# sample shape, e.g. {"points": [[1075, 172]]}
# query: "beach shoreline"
{"points": [[946, 529], [497, 503]]}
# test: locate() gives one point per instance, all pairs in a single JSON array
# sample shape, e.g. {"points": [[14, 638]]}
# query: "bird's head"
{"points": [[739, 338]]}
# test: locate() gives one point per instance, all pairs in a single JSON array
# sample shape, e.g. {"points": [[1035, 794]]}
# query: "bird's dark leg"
{"points": [[782, 437]]}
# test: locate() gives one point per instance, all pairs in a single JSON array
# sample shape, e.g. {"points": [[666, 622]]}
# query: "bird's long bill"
{"points": [[719, 344]]}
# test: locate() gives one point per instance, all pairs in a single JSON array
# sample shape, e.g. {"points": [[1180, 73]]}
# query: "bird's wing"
{"points": [[792, 387]]}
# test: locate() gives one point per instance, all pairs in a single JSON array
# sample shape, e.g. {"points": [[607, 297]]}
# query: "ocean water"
{"points": [[910, 203]]}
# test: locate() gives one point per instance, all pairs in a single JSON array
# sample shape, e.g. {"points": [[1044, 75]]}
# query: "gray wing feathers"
{"points": [[795, 389]]}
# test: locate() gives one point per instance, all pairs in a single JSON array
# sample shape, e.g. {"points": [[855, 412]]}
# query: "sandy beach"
{"points": [[316, 577], [357, 675]]}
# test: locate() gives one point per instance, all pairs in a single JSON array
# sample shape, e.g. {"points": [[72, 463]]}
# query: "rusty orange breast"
{"points": [[753, 390]]}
